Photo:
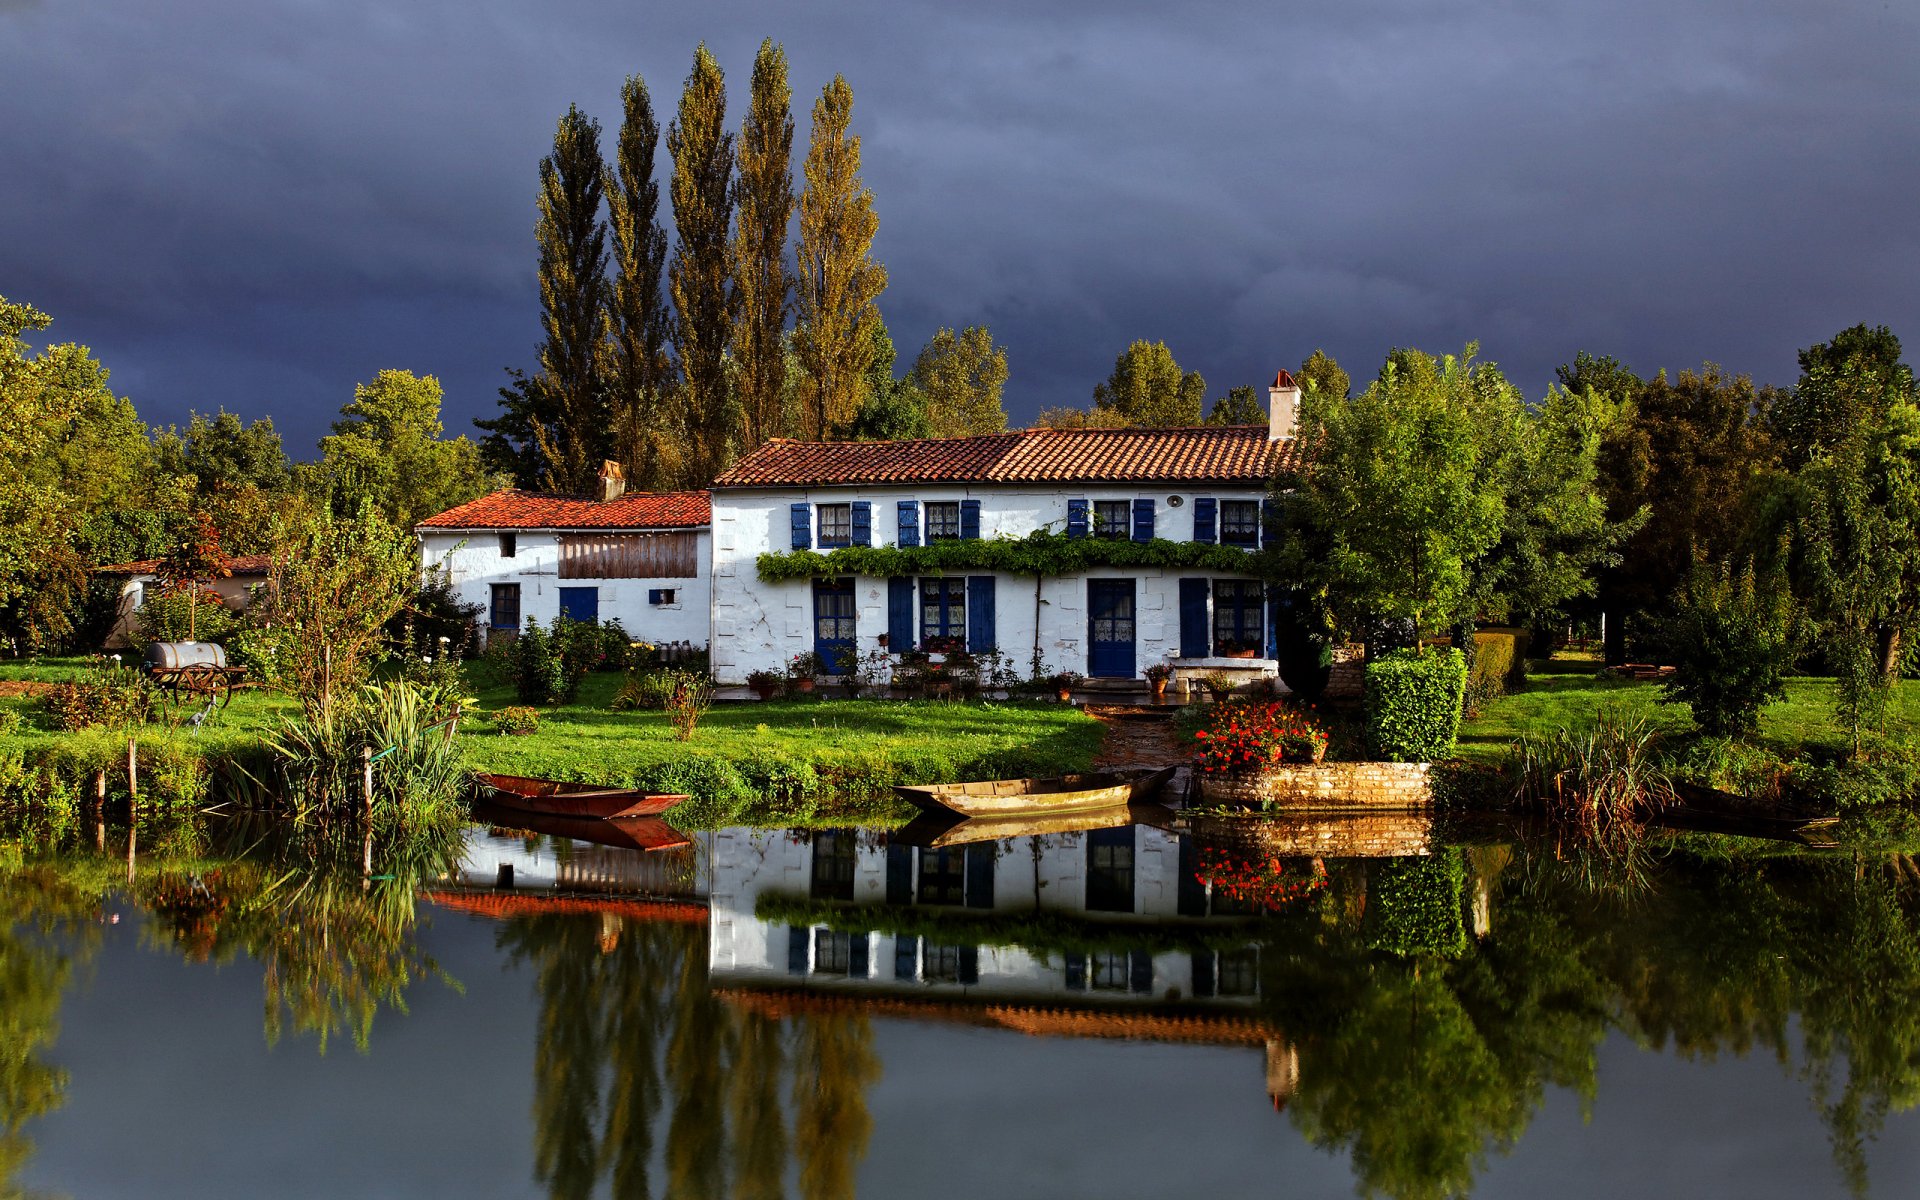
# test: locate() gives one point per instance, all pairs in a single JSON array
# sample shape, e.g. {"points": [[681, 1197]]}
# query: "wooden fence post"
{"points": [[366, 778], [133, 774]]}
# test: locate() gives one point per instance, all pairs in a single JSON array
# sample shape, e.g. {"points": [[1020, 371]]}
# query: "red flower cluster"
{"points": [[1242, 737], [1265, 882]]}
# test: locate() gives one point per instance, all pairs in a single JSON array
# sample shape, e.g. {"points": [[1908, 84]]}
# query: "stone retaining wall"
{"points": [[1330, 835], [1321, 787]]}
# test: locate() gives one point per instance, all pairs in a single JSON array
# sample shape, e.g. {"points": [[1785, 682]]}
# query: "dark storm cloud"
{"points": [[254, 206]]}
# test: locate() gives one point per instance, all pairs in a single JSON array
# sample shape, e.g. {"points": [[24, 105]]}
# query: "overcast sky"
{"points": [[253, 205]]}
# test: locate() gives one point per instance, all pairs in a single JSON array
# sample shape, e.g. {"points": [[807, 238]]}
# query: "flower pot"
{"points": [[1249, 652], [765, 691], [803, 685], [1159, 688], [1066, 695]]}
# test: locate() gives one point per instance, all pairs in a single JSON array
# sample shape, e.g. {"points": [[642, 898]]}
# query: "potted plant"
{"points": [[1219, 684], [1157, 676], [803, 670], [1244, 753], [764, 683], [1065, 682], [1304, 744], [1239, 649]]}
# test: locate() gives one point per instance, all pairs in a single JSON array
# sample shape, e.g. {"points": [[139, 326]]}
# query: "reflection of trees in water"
{"points": [[1420, 1066], [626, 1013]]}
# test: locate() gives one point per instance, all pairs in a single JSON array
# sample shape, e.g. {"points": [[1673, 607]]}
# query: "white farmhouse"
{"points": [[1201, 484], [639, 558]]}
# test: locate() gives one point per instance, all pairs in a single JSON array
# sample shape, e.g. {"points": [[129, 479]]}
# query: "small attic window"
{"points": [[660, 595], [509, 544]]}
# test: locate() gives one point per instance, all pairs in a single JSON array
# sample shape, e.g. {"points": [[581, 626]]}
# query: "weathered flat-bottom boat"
{"points": [[558, 798], [620, 833], [1039, 797], [947, 828]]}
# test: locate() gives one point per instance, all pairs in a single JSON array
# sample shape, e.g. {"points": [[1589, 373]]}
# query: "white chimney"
{"points": [[613, 481], [1283, 408]]}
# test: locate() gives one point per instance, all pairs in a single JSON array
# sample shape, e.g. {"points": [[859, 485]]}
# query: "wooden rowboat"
{"points": [[1001, 798], [557, 798], [645, 834]]}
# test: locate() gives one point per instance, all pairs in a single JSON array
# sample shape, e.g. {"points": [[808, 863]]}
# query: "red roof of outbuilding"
{"points": [[1192, 454], [239, 564], [515, 509]]}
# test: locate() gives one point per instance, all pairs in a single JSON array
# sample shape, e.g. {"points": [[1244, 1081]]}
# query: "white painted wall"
{"points": [[476, 564], [761, 626], [235, 593], [746, 950]]}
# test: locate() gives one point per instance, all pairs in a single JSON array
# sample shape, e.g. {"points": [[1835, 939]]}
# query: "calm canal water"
{"points": [[1116, 1012]]}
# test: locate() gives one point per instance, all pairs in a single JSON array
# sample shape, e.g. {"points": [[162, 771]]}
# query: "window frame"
{"points": [[835, 863], [832, 952], [1098, 524], [1234, 615], [1239, 523], [949, 630], [933, 523], [1101, 965], [509, 544], [493, 606], [841, 515]]}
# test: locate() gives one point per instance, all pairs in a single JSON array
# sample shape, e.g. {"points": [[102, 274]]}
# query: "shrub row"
{"points": [[1413, 703]]}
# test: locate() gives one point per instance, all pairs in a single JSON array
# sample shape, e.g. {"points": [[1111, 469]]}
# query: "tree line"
{"points": [[674, 356]]}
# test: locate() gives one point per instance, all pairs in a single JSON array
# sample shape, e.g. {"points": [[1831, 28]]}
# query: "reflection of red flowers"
{"points": [[1265, 882], [1242, 737]]}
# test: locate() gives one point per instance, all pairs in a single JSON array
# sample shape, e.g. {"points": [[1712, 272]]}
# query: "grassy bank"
{"points": [[1566, 695], [795, 761]]}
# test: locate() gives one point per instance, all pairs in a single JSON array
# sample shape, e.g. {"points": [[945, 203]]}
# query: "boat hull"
{"points": [[1016, 798], [555, 798]]}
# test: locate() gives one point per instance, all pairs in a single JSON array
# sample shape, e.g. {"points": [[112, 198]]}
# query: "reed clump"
{"points": [[1603, 778]]}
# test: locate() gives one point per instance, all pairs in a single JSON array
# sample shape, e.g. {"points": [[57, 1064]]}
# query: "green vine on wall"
{"points": [[1040, 554]]}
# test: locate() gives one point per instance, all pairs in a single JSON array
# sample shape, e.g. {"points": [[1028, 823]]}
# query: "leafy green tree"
{"points": [[1732, 636], [761, 283], [700, 275], [1147, 388], [224, 451], [891, 408], [962, 375], [839, 284], [386, 450], [637, 371], [1320, 373], [1240, 406]]}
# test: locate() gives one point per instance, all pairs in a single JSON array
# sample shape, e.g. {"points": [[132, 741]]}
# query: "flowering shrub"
{"points": [[517, 718], [1258, 882], [1241, 738]]}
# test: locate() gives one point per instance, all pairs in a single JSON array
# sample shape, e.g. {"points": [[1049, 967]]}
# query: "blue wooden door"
{"points": [[1110, 628], [580, 603], [833, 623]]}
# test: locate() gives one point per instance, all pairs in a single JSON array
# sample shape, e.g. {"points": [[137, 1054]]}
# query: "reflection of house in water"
{"points": [[1108, 916]]}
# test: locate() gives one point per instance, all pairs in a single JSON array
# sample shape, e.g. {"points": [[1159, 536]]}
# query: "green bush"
{"points": [[1495, 652], [104, 694], [1413, 703], [1414, 905], [541, 670], [168, 616], [9, 722], [1731, 637]]}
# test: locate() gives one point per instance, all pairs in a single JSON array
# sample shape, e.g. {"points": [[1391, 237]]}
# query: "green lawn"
{"points": [[1569, 694], [797, 760]]}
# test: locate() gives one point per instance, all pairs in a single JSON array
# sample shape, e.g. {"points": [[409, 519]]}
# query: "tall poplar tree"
{"points": [[647, 437], [762, 286], [839, 282], [569, 423], [700, 275], [962, 375]]}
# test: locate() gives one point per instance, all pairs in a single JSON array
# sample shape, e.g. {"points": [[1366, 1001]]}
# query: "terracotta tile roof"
{"points": [[510, 906], [1033, 1019], [240, 564], [1194, 454], [515, 509]]}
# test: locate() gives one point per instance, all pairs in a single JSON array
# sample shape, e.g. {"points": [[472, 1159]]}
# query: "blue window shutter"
{"points": [[980, 635], [980, 875], [969, 964], [969, 518], [1194, 642], [1140, 971], [1076, 518], [1143, 520], [857, 955], [899, 615], [1205, 517], [797, 947], [802, 526], [906, 956], [909, 523], [1266, 519], [1202, 973], [862, 523], [899, 873], [1076, 972], [1273, 623], [1191, 899]]}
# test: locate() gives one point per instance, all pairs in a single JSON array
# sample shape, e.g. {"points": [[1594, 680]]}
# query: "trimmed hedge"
{"points": [[1413, 704], [1414, 905]]}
